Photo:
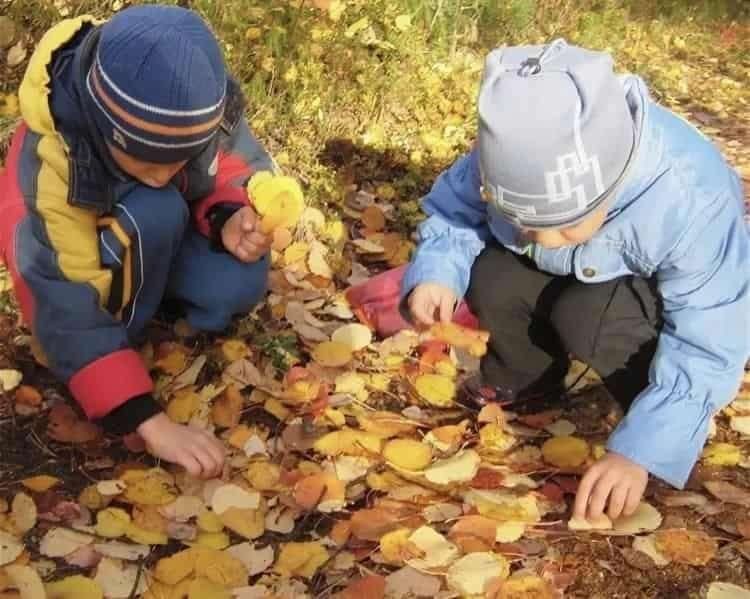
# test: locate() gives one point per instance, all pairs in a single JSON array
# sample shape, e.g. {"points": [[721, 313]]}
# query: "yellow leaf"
{"points": [[203, 588], [395, 546], [300, 559], [295, 252], [357, 26], [722, 454], [316, 260], [159, 590], [171, 570], [184, 403], [209, 522], [504, 505], [174, 362], [565, 452], [26, 580], [211, 540], [10, 548], [403, 23], [263, 476], [248, 523], [470, 574], [274, 407], [526, 586], [355, 336], [23, 513], [112, 522], [645, 519], [509, 532], [348, 442], [332, 354], [277, 198], [436, 389], [145, 537], [73, 587], [91, 498], [492, 437], [220, 567], [40, 483], [9, 108], [235, 349], [148, 487], [408, 454]]}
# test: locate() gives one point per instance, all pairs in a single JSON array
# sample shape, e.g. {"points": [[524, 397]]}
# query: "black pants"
{"points": [[536, 320]]}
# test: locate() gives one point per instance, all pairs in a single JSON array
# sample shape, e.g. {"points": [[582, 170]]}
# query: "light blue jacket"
{"points": [[677, 216]]}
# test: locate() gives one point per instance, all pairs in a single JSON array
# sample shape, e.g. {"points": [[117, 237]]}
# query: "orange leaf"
{"points": [[474, 533], [370, 525], [318, 488], [28, 396], [341, 532], [373, 218], [487, 479], [473, 340], [369, 587], [227, 408], [541, 419], [65, 426], [692, 547]]}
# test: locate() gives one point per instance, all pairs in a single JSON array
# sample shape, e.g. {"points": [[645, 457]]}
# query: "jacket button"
{"points": [[589, 272]]}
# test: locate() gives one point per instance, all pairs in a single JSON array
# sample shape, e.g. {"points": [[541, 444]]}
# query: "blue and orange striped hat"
{"points": [[158, 83]]}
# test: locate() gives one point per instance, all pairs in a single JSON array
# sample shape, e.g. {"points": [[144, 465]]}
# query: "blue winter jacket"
{"points": [[678, 217]]}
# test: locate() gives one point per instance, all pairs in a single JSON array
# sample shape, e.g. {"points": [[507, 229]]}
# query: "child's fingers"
{"points": [[617, 500], [632, 501], [249, 220], [191, 464], [584, 491], [208, 464], [446, 308], [424, 312], [599, 496]]}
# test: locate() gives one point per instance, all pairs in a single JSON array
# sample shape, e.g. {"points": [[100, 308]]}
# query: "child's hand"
{"points": [[613, 480], [242, 238], [431, 300], [199, 452]]}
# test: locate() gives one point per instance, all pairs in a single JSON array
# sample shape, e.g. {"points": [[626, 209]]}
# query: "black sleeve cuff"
{"points": [[127, 417], [217, 216]]}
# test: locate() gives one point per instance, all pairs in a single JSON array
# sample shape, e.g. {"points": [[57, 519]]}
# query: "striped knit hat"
{"points": [[157, 83]]}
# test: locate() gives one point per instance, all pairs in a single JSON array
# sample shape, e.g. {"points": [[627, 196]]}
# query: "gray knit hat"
{"points": [[555, 133]]}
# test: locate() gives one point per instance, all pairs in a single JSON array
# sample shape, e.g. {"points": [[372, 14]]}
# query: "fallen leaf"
{"points": [[130, 552], [437, 390], [509, 532], [320, 491], [460, 468], [647, 544], [26, 580], [727, 492], [646, 518], [59, 542], [470, 574], [601, 523], [355, 336], [16, 54], [721, 454], [65, 426], [373, 218], [373, 524], [23, 513], [348, 442], [175, 568], [10, 548], [300, 559], [437, 551], [183, 404], [565, 452], [561, 428], [255, 560], [407, 454], [73, 587], [118, 580], [681, 499], [692, 547], [369, 587], [220, 567], [203, 588], [235, 349], [332, 354], [316, 260], [112, 523], [242, 373], [726, 590], [525, 586], [40, 483], [741, 424], [10, 379], [474, 533], [226, 410], [408, 582]]}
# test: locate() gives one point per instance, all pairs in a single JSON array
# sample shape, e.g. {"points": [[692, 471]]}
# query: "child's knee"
{"points": [[159, 215], [577, 316], [241, 287]]}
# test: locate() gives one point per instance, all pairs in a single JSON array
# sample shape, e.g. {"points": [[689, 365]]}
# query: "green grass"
{"points": [[345, 101]]}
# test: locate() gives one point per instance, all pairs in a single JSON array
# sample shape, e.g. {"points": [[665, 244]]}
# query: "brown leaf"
{"points": [[692, 547], [373, 218], [727, 492], [227, 408], [369, 587], [487, 478], [371, 524], [681, 499], [743, 527], [65, 426], [541, 419], [28, 396], [474, 533]]}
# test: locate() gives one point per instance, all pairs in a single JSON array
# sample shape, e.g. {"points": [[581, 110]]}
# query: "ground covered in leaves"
{"points": [[354, 470]]}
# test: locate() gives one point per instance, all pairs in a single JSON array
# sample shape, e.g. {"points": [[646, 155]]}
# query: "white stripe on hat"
{"points": [[142, 140], [156, 109]]}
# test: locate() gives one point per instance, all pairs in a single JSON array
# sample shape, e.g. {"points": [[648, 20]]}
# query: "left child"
{"points": [[125, 186]]}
